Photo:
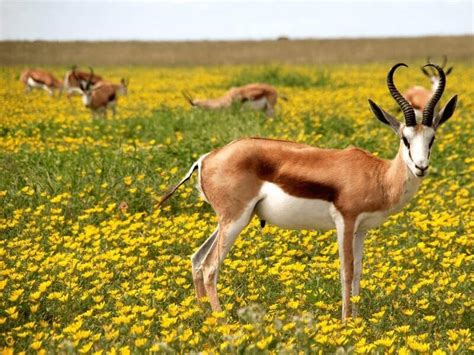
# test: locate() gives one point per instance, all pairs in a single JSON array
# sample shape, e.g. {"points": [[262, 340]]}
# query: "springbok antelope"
{"points": [[102, 95], [418, 96], [74, 77], [297, 186], [260, 97], [34, 78]]}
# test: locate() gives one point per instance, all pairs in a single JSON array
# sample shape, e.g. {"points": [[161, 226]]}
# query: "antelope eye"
{"points": [[432, 141], [405, 141]]}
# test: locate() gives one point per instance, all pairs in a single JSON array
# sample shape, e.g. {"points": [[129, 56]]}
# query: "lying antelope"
{"points": [[34, 78], [418, 96], [260, 97], [297, 186], [74, 78], [101, 96]]}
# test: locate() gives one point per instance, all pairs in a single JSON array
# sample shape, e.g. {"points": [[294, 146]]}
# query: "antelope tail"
{"points": [[194, 167], [188, 97]]}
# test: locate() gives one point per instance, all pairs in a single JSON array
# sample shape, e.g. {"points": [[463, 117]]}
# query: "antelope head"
{"points": [[86, 87], [416, 139], [123, 87]]}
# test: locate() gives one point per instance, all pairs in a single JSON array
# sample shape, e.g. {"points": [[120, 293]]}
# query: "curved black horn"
{"points": [[408, 111], [428, 112], [445, 60], [91, 76], [431, 71]]}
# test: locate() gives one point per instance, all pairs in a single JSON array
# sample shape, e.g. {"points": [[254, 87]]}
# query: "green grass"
{"points": [[155, 151]]}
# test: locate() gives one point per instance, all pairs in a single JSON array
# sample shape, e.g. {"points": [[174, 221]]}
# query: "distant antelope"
{"points": [[260, 97], [101, 96], [74, 77], [34, 78], [418, 96], [297, 186]]}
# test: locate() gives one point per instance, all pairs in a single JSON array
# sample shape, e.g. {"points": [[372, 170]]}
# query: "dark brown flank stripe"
{"points": [[37, 80], [295, 186]]}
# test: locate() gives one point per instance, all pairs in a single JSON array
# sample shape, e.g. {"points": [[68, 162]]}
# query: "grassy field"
{"points": [[89, 265], [207, 53]]}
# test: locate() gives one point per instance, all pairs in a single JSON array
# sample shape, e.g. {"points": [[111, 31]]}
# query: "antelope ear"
{"points": [[446, 112], [449, 71], [385, 117], [423, 69]]}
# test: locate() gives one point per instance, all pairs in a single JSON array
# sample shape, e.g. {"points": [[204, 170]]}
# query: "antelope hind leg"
{"points": [[197, 259]]}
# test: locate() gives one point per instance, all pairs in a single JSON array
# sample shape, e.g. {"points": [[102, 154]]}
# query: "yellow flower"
{"points": [[36, 345]]}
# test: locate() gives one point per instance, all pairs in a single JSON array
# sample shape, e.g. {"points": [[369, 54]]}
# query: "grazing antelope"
{"points": [[34, 78], [102, 95], [418, 96], [260, 97], [74, 77], [297, 186]]}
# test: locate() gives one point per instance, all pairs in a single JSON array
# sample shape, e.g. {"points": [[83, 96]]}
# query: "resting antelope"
{"points": [[260, 97], [418, 96], [297, 186], [34, 78], [101, 96], [74, 77]]}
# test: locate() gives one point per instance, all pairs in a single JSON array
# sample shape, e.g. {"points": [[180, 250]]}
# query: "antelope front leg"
{"points": [[345, 236], [270, 111], [358, 255]]}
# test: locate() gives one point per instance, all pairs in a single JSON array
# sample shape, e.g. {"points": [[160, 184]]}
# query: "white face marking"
{"points": [[417, 146], [87, 98], [122, 90], [286, 211]]}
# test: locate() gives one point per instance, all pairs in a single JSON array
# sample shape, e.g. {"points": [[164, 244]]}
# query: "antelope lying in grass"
{"points": [[418, 96], [74, 78], [297, 186], [260, 97], [101, 96], [40, 79]]}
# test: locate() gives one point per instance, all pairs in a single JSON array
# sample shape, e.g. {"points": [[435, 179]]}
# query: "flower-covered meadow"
{"points": [[88, 264]]}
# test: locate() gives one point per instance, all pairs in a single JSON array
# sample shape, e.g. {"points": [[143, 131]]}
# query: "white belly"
{"points": [[286, 211], [259, 104], [34, 84]]}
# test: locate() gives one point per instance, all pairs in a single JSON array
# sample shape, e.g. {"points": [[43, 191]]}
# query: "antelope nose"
{"points": [[422, 166]]}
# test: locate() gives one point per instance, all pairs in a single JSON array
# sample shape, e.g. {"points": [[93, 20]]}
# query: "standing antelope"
{"points": [[34, 78], [260, 97], [297, 186], [102, 95], [74, 78], [418, 96]]}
